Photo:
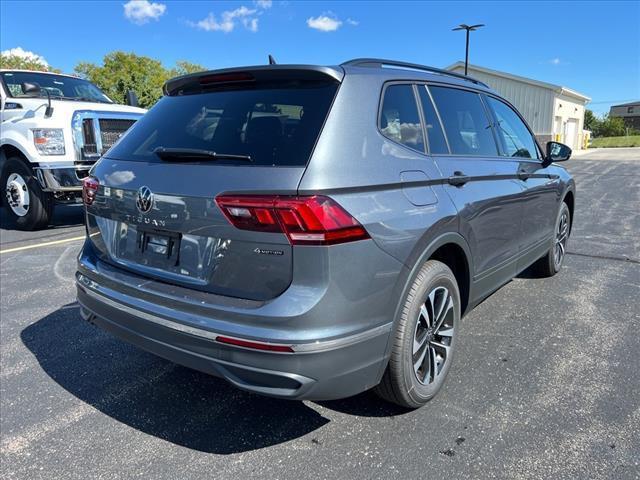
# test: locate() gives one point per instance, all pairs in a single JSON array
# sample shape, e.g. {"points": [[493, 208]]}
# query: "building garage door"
{"points": [[571, 132]]}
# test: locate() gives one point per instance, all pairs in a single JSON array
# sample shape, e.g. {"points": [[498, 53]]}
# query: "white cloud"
{"points": [[143, 11], [228, 20], [327, 22], [19, 52], [353, 22], [264, 4]]}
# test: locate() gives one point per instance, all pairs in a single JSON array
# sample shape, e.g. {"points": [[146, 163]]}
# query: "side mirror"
{"points": [[34, 89], [30, 88], [557, 152], [132, 98]]}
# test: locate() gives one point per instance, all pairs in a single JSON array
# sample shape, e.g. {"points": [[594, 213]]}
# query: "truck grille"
{"points": [[99, 134], [111, 130]]}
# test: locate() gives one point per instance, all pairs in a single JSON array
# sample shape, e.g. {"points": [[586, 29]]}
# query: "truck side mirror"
{"points": [[132, 98], [35, 89], [30, 88]]}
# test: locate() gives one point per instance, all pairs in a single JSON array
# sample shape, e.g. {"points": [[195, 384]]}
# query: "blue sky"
{"points": [[591, 47]]}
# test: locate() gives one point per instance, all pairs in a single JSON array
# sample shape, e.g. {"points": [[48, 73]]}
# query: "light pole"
{"points": [[468, 28]]}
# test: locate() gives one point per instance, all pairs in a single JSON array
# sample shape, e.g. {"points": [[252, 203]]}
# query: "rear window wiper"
{"points": [[196, 153]]}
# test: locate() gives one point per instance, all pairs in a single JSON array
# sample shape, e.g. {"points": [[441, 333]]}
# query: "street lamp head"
{"points": [[469, 28]]}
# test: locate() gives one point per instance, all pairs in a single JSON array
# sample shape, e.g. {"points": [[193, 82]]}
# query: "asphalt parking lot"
{"points": [[545, 384]]}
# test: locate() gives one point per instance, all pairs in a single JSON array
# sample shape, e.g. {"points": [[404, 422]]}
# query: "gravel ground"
{"points": [[545, 383]]}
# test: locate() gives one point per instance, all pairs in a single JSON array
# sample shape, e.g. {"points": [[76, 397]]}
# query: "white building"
{"points": [[552, 111]]}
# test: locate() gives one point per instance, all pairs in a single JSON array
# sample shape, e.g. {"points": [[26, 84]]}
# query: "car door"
{"points": [[482, 184], [541, 194]]}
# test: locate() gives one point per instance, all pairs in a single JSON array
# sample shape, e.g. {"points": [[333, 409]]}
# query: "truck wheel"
{"points": [[424, 339], [27, 204]]}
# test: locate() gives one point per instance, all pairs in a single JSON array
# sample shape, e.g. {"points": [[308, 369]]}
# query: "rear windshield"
{"points": [[274, 126]]}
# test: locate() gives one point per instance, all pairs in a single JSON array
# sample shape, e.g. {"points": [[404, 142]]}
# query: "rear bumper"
{"points": [[319, 370]]}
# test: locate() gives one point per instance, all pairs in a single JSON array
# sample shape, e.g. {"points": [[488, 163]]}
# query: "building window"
{"points": [[629, 109]]}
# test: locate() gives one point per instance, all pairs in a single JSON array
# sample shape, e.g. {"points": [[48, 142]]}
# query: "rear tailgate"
{"points": [[207, 252], [158, 216]]}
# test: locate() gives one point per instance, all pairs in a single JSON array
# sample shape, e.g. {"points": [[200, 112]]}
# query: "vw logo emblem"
{"points": [[144, 202]]}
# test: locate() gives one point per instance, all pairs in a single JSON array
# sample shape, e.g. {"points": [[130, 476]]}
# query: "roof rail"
{"points": [[380, 62]]}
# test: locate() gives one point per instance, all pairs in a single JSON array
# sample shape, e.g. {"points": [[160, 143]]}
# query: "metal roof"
{"points": [[556, 88]]}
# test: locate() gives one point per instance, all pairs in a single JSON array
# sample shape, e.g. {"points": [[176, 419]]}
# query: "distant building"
{"points": [[552, 111], [629, 112]]}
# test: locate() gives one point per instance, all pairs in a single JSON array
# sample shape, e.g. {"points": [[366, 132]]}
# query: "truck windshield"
{"points": [[58, 86]]}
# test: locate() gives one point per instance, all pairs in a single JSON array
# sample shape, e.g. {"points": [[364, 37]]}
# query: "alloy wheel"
{"points": [[562, 234], [433, 335]]}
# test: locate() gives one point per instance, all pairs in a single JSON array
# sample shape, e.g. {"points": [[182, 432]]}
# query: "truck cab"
{"points": [[53, 128]]}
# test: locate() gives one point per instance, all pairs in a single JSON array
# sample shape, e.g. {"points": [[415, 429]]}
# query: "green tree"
{"points": [[591, 122], [121, 72], [17, 62], [184, 67], [612, 127]]}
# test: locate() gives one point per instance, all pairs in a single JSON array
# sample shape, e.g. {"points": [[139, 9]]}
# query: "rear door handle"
{"points": [[458, 179]]}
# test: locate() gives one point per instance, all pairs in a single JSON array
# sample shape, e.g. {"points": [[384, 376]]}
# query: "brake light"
{"points": [[269, 347], [313, 220], [89, 189], [226, 78]]}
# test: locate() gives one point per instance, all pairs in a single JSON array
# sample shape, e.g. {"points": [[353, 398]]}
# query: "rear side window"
{"points": [[435, 137], [399, 118], [513, 134], [465, 122], [274, 126]]}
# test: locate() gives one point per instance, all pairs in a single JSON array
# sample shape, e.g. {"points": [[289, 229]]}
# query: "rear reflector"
{"points": [[314, 220], [89, 189], [255, 345]]}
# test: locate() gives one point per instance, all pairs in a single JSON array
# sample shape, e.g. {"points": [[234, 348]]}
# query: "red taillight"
{"points": [[89, 189], [255, 345], [314, 220]]}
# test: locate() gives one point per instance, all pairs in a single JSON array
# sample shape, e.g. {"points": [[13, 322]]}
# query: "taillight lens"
{"points": [[314, 220], [89, 189]]}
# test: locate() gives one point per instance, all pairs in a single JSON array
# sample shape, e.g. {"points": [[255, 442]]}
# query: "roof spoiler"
{"points": [[263, 73]]}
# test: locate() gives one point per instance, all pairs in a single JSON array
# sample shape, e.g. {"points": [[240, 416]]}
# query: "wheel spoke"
{"points": [[433, 370], [445, 348], [424, 313], [447, 332], [444, 312], [418, 343], [421, 360]]}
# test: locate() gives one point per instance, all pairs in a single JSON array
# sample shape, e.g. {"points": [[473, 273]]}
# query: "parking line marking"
{"points": [[45, 244]]}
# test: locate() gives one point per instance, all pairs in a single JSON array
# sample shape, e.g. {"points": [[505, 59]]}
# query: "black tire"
{"points": [[40, 206], [550, 264], [400, 383]]}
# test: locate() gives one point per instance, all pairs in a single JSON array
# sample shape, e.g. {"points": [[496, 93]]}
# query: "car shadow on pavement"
{"points": [[157, 397]]}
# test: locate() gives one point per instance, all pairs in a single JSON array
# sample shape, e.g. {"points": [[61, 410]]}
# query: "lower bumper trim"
{"points": [[90, 288]]}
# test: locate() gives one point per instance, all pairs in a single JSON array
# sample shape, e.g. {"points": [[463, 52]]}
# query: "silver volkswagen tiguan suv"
{"points": [[311, 232]]}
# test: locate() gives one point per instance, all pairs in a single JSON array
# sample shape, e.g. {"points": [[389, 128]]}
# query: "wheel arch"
{"points": [[569, 199], [8, 150], [451, 249]]}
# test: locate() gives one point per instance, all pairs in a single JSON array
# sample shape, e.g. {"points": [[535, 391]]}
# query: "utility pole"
{"points": [[468, 28]]}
